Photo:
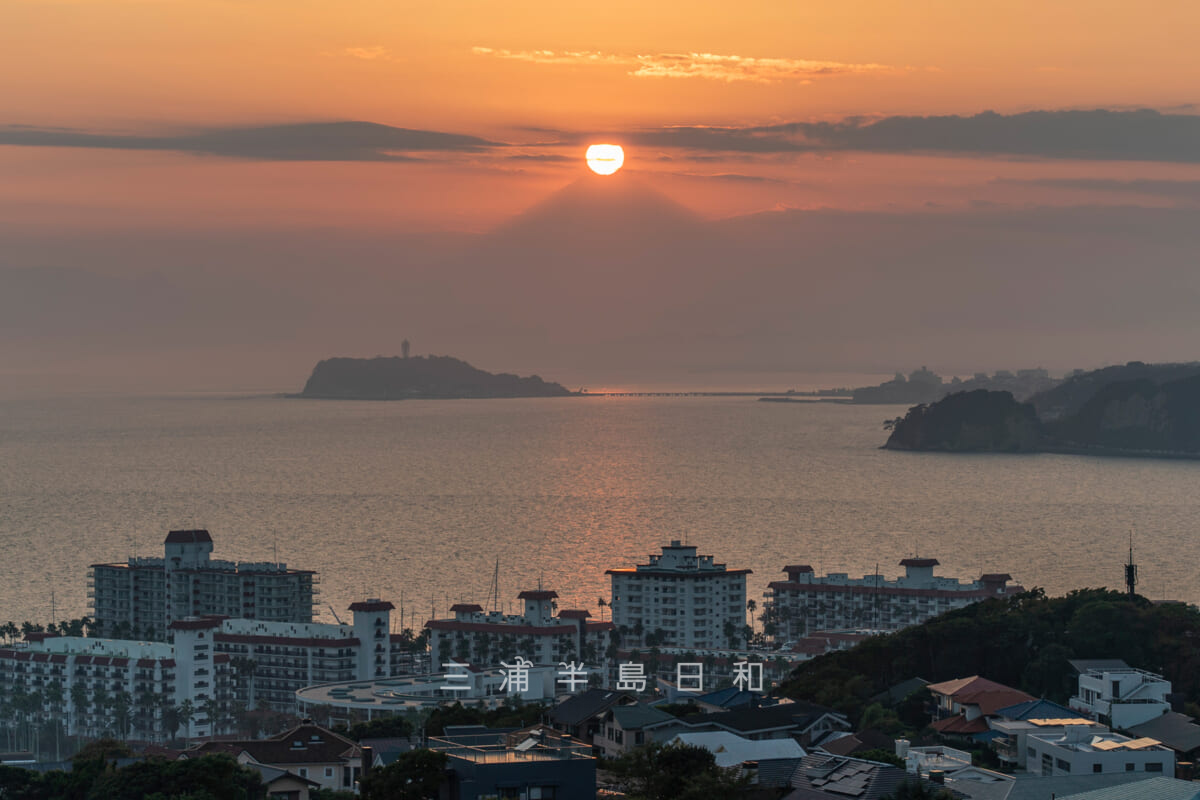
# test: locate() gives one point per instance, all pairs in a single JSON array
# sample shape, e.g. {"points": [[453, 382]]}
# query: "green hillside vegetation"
{"points": [[418, 377], [1024, 642], [1137, 415], [978, 421], [1070, 396]]}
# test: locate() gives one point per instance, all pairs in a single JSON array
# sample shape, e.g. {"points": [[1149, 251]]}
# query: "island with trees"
{"points": [[418, 378]]}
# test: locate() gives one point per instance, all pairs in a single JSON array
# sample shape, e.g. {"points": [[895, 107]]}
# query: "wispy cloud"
{"points": [[306, 141], [1102, 135], [709, 66], [1186, 190], [372, 53]]}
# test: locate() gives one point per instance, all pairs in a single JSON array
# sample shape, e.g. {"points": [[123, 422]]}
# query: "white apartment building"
{"points": [[125, 689], [539, 634], [1121, 696], [128, 689], [143, 596], [1082, 750], [806, 602], [688, 597]]}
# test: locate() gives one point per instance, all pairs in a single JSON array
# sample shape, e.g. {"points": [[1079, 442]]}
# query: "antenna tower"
{"points": [[1131, 576]]}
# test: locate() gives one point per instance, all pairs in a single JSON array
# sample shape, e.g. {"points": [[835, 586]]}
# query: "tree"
{"points": [[672, 772], [415, 775], [751, 606]]}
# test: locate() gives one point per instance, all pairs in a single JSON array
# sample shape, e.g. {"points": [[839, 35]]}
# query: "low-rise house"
{"points": [[1010, 725], [581, 716], [536, 763], [807, 723], [1119, 695], [629, 726], [934, 759], [283, 785], [963, 706], [309, 751]]}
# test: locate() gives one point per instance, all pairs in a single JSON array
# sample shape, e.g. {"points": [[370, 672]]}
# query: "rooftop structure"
{"points": [[964, 704], [140, 598], [805, 602], [681, 599]]}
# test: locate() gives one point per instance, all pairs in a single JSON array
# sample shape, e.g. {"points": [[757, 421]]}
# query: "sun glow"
{"points": [[605, 159]]}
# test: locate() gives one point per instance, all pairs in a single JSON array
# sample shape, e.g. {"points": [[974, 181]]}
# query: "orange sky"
{"points": [[499, 70]]}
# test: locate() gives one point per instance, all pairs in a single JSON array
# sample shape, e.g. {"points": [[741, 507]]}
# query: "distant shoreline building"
{"points": [[541, 634], [806, 602], [681, 598], [140, 599]]}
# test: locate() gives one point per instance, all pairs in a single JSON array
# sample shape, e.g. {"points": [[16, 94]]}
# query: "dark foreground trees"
{"points": [[95, 776], [676, 772]]}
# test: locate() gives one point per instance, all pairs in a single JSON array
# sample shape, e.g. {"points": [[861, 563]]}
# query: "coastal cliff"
{"points": [[1138, 417], [978, 421], [418, 377]]}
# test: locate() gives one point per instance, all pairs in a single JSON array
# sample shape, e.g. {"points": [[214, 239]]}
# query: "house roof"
{"points": [[797, 716], [976, 691], [1176, 731], [731, 749], [1086, 665], [272, 774], [919, 562], [578, 708], [466, 607], [1036, 709], [959, 724], [1160, 788], [638, 716], [303, 744], [822, 776], [894, 694], [870, 739], [729, 697], [975, 783], [537, 594]]}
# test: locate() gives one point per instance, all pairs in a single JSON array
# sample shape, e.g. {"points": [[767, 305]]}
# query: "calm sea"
{"points": [[417, 501]]}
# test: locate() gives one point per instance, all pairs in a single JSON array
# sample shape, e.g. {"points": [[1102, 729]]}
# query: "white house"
{"points": [[1121, 696], [1082, 750]]}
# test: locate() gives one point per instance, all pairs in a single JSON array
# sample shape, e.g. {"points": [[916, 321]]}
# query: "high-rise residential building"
{"points": [[681, 599], [806, 602], [139, 599]]}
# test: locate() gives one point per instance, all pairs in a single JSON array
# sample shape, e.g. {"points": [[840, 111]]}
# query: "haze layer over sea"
{"points": [[415, 501]]}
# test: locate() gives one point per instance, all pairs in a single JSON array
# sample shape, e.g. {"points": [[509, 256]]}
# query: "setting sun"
{"points": [[605, 159]]}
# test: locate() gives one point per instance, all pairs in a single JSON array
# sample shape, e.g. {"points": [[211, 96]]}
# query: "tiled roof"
{"points": [[466, 608], [797, 716], [304, 744], [537, 594], [1036, 709], [959, 724], [580, 707], [638, 716], [920, 562], [976, 691]]}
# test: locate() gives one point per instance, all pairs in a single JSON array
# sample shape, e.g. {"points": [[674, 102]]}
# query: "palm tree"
{"points": [[751, 606], [211, 709], [602, 604], [79, 703], [55, 696], [122, 702], [186, 712]]}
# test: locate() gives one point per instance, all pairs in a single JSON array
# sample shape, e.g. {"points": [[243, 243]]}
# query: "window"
{"points": [[1097, 768], [1128, 767], [303, 772], [329, 772], [1062, 764], [1155, 767]]}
